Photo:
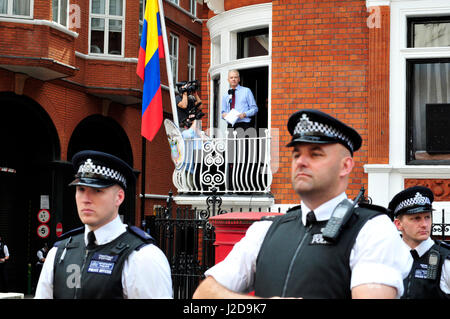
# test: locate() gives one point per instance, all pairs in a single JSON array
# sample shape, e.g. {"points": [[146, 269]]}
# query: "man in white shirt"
{"points": [[105, 259], [290, 255], [429, 277]]}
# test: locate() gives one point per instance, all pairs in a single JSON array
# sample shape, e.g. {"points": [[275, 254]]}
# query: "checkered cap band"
{"points": [[307, 127], [418, 199], [89, 170]]}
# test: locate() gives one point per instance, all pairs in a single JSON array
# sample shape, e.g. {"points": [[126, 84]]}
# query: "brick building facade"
{"points": [[375, 64], [68, 82]]}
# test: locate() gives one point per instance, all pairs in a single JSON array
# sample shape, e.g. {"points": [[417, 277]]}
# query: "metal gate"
{"points": [[186, 238]]}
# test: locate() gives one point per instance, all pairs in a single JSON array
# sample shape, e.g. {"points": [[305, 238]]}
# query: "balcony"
{"points": [[237, 166]]}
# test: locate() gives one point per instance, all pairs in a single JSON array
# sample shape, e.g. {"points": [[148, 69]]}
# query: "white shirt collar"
{"points": [[108, 232], [324, 211], [424, 246]]}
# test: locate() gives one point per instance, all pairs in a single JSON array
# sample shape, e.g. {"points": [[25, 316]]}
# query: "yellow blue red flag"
{"points": [[151, 50]]}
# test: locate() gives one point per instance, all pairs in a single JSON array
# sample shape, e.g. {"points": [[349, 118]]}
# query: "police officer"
{"points": [[105, 258], [430, 273], [41, 255], [290, 257]]}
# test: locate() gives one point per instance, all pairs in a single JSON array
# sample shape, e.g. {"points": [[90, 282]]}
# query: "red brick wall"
{"points": [[319, 60], [69, 101]]}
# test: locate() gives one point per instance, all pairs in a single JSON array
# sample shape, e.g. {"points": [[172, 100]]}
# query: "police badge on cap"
{"points": [[100, 170], [413, 200], [314, 126]]}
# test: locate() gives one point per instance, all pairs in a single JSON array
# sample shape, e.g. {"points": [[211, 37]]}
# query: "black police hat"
{"points": [[314, 126], [100, 170], [413, 200]]}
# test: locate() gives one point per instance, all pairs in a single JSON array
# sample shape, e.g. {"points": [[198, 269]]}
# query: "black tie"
{"points": [[414, 254], [310, 218], [91, 241]]}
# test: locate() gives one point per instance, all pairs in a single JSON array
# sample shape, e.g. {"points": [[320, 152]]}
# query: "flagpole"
{"points": [[168, 66]]}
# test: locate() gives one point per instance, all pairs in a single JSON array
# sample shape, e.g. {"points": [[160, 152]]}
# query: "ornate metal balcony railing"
{"points": [[236, 164]]}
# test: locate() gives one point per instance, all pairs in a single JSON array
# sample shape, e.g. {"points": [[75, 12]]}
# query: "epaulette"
{"points": [[442, 243], [374, 207], [68, 234], [293, 208], [141, 234], [268, 218], [291, 214]]}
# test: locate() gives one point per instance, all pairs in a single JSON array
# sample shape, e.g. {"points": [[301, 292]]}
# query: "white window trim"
{"points": [[387, 180], [174, 57], [59, 14], [177, 2], [223, 29], [193, 7], [10, 11], [193, 58], [141, 22], [107, 17]]}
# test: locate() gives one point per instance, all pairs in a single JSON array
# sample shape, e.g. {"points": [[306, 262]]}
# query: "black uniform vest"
{"points": [[417, 286], [93, 274], [2, 250], [295, 261]]}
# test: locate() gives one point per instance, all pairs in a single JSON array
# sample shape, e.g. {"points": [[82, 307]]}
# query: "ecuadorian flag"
{"points": [[150, 52]]}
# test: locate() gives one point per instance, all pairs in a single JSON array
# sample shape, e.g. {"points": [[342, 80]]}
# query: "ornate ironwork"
{"points": [[186, 237], [231, 165]]}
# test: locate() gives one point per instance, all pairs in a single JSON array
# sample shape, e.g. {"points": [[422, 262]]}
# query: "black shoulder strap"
{"points": [[70, 233], [444, 248], [145, 237]]}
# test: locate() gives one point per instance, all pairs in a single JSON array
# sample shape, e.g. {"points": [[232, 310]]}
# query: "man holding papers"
{"points": [[238, 105]]}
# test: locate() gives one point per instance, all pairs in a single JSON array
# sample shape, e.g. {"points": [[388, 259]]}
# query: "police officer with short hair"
{"points": [[105, 259], [430, 273], [292, 255]]}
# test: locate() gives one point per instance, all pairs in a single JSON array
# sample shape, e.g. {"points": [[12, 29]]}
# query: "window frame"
{"points": [[409, 147], [107, 17], [174, 59], [176, 2], [193, 7], [412, 21], [58, 20], [9, 11], [192, 59]]}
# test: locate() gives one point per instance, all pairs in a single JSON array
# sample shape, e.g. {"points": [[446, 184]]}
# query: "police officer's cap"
{"points": [[314, 126], [100, 170], [413, 200]]}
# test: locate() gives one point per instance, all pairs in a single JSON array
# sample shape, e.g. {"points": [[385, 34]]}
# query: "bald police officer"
{"points": [[105, 259], [430, 273], [291, 256]]}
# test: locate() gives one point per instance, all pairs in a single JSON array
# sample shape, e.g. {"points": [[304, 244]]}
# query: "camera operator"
{"points": [[188, 103]]}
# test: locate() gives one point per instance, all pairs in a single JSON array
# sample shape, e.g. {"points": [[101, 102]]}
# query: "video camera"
{"points": [[188, 86], [193, 108]]}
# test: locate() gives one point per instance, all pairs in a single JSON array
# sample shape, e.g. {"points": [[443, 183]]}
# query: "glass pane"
{"points": [[141, 10], [3, 6], [435, 34], [430, 84], [98, 6], [55, 10], [115, 37], [21, 7], [253, 43], [97, 35], [63, 11], [115, 7]]}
